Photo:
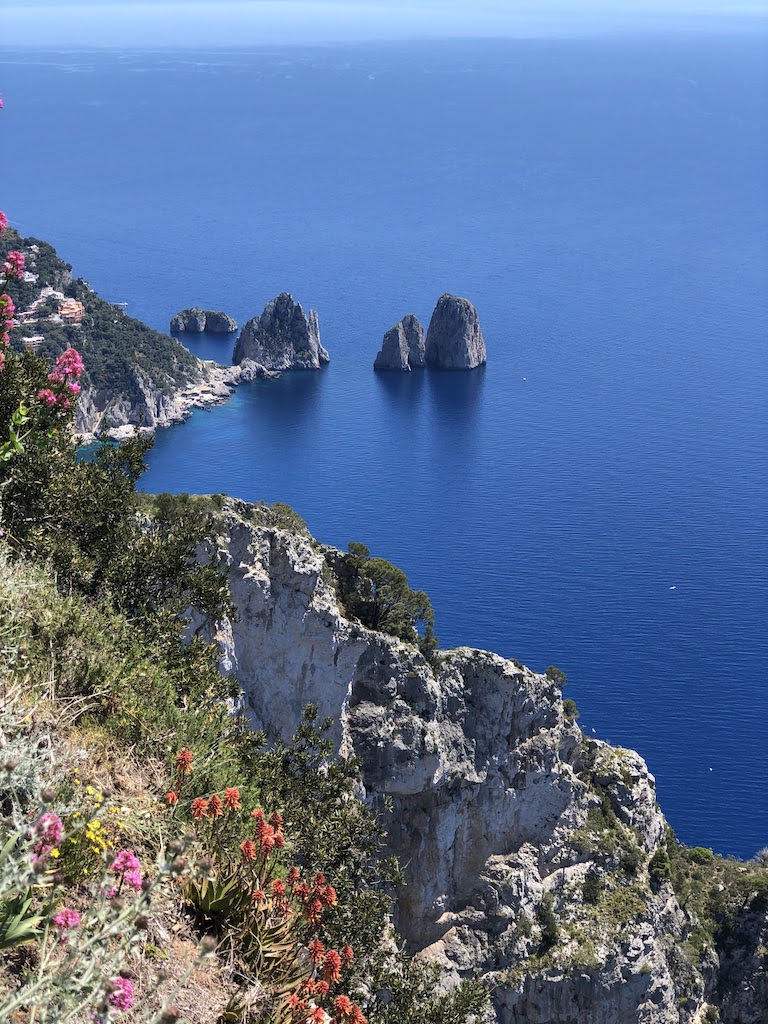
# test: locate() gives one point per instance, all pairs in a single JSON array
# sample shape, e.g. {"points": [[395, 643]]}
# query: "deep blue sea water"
{"points": [[596, 498]]}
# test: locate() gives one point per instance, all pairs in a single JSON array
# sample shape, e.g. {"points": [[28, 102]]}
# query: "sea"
{"points": [[595, 498]]}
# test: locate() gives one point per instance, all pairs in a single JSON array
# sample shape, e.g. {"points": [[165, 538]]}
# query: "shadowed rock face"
{"points": [[282, 338], [454, 339], [403, 346], [199, 320]]}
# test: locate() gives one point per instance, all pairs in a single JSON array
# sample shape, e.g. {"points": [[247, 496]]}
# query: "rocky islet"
{"points": [[282, 338], [197, 321]]}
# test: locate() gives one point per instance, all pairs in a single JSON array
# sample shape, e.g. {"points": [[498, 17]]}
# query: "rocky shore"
{"points": [[103, 413]]}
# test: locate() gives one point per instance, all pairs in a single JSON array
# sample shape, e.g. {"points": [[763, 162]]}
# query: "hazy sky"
{"points": [[181, 22]]}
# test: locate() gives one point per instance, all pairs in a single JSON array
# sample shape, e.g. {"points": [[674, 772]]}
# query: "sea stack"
{"points": [[282, 338], [403, 347], [198, 320], [454, 339]]}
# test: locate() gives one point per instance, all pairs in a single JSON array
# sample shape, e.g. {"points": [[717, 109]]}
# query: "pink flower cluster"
{"points": [[69, 366], [3, 223], [14, 265], [7, 309], [128, 866], [48, 832], [121, 996], [65, 920]]}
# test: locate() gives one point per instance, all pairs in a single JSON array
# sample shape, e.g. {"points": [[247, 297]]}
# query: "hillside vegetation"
{"points": [[117, 349]]}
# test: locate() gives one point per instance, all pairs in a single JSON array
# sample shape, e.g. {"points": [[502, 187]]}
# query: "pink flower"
{"points": [[126, 860], [50, 829], [47, 396], [2, 361], [3, 218], [121, 996], [66, 919], [73, 388], [69, 364], [133, 879], [14, 265]]}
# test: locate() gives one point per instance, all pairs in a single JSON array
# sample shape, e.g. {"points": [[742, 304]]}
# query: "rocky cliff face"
{"points": [[105, 412], [454, 339], [526, 845], [198, 320], [282, 338], [403, 346]]}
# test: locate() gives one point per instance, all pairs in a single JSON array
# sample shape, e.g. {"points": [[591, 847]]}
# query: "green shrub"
{"points": [[545, 914], [377, 593]]}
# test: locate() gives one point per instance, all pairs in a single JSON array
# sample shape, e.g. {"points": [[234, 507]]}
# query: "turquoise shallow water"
{"points": [[596, 498]]}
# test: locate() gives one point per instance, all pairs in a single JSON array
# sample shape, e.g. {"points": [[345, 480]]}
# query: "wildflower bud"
{"points": [[146, 885], [208, 944], [58, 878], [117, 905], [10, 765], [141, 923], [41, 865], [162, 976], [205, 864], [179, 866], [170, 1016], [126, 973], [48, 796], [106, 793], [176, 846]]}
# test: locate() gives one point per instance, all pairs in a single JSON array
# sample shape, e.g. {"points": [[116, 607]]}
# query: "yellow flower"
{"points": [[55, 853]]}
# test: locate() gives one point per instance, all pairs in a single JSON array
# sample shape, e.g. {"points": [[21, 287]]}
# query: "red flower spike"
{"points": [[347, 956], [232, 798], [200, 807], [172, 798], [342, 1006], [332, 966], [316, 951], [328, 896], [214, 806], [184, 760], [278, 887], [248, 850]]}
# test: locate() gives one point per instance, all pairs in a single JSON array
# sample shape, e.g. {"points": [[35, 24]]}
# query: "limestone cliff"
{"points": [[198, 320], [454, 338], [403, 346], [115, 414], [526, 845], [281, 338]]}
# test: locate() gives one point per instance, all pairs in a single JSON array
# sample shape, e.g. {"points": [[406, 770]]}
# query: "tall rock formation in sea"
{"points": [[198, 320], [533, 854], [282, 338], [454, 339], [403, 346]]}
